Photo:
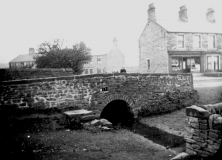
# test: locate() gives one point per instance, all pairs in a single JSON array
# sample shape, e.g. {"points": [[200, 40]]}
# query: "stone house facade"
{"points": [[106, 63], [24, 60], [180, 46], [98, 64]]}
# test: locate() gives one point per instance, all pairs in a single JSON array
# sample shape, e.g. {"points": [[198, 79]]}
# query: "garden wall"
{"points": [[205, 124]]}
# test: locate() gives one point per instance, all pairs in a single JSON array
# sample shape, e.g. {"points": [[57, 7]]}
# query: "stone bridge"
{"points": [[139, 93]]}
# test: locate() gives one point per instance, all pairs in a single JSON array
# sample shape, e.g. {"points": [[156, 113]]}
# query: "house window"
{"points": [[98, 70], [148, 64], [197, 41], [180, 41], [90, 62], [215, 62], [86, 71], [91, 71], [209, 63], [177, 64], [99, 60], [211, 41]]}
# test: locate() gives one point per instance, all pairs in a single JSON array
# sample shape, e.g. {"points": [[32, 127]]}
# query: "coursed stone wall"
{"points": [[153, 47], [144, 93], [205, 124]]}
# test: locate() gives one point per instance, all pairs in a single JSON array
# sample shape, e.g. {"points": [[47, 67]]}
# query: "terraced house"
{"points": [[180, 46], [106, 63]]}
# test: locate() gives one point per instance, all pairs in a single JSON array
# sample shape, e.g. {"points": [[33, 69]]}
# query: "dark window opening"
{"points": [[91, 71], [148, 64], [180, 41], [117, 112]]}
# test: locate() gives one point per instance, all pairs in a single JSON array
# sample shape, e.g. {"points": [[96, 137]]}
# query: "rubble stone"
{"points": [[204, 140], [190, 151], [182, 155], [197, 112]]}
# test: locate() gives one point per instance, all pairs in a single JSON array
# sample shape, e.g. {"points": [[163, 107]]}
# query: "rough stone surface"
{"points": [[212, 118], [106, 123], [218, 123], [96, 122], [205, 140], [198, 112], [182, 155], [151, 93], [190, 151], [154, 51]]}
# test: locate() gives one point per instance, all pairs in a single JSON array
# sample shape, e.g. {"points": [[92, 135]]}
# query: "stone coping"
{"points": [[25, 81]]}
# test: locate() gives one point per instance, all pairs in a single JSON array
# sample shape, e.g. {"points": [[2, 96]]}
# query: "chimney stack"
{"points": [[115, 41], [31, 51], [151, 13], [183, 14], [210, 15]]}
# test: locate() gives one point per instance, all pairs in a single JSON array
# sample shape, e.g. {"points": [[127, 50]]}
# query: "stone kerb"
{"points": [[205, 129]]}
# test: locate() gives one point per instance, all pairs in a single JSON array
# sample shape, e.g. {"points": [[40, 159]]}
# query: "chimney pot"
{"points": [[151, 13], [210, 15], [183, 14]]}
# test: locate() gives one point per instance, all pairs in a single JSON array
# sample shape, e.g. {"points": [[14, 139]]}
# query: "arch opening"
{"points": [[118, 112]]}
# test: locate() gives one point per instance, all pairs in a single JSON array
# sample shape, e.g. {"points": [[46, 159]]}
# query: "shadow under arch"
{"points": [[118, 111]]}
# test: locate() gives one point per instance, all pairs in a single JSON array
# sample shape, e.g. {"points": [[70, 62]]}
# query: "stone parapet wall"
{"points": [[150, 93], [205, 127]]}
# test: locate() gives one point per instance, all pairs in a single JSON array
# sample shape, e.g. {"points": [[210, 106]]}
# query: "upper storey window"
{"points": [[99, 60], [180, 41], [90, 62], [211, 41], [197, 41]]}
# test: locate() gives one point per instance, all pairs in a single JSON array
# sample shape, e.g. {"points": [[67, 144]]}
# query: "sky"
{"points": [[26, 24]]}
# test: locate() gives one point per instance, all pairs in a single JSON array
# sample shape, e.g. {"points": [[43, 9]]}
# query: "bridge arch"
{"points": [[118, 108]]}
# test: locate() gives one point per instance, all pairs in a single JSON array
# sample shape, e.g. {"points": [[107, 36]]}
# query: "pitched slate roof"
{"points": [[24, 58], [190, 26]]}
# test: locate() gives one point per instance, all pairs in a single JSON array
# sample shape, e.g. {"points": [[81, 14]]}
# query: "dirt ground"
{"points": [[175, 122], [33, 141], [68, 144]]}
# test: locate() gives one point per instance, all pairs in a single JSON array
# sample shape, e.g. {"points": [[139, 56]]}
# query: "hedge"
{"points": [[16, 74]]}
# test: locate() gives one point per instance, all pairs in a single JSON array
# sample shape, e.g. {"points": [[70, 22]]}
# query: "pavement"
{"points": [[205, 78], [206, 81]]}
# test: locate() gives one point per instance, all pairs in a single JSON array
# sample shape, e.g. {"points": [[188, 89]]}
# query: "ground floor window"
{"points": [[185, 64], [177, 63], [86, 71], [212, 62], [91, 71], [98, 70]]}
